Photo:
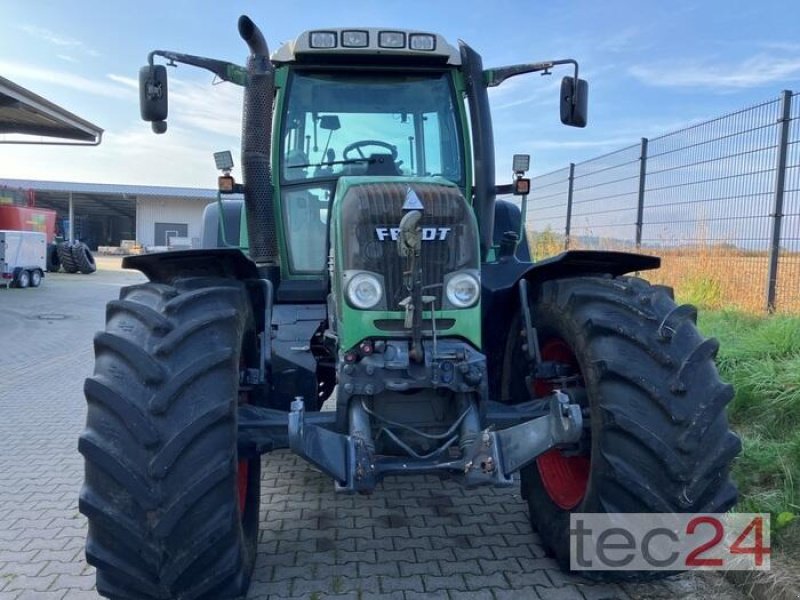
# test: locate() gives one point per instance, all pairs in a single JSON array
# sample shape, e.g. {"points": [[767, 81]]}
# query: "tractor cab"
{"points": [[360, 103]]}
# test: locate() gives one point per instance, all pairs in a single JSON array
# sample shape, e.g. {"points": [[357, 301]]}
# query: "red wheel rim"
{"points": [[242, 470], [565, 478]]}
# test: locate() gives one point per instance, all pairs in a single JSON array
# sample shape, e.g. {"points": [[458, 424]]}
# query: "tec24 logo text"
{"points": [[669, 541]]}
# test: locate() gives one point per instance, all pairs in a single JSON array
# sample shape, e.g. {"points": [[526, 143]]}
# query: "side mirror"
{"points": [[153, 103], [574, 101]]}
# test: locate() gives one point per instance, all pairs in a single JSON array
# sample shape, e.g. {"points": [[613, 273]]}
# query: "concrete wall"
{"points": [[152, 209]]}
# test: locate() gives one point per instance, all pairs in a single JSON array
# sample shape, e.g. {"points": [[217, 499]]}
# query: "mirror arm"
{"points": [[222, 69], [494, 77]]}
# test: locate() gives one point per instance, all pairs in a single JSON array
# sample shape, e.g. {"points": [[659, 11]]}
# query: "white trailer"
{"points": [[22, 258]]}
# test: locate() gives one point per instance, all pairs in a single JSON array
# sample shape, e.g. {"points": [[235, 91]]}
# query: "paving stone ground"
{"points": [[419, 537]]}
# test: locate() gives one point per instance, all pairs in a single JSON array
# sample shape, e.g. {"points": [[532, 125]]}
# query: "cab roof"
{"points": [[374, 43]]}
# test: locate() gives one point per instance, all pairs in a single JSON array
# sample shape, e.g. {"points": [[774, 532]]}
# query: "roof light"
{"points": [[355, 39], [391, 39], [322, 39], [422, 41]]}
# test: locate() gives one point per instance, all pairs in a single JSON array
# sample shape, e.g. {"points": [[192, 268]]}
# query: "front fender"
{"points": [[165, 267], [500, 296]]}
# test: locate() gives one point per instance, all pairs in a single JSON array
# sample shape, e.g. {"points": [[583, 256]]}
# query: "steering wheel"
{"points": [[357, 146]]}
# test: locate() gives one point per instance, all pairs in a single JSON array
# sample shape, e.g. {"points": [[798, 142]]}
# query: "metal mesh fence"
{"points": [[708, 195], [604, 201], [788, 292], [703, 198], [546, 225]]}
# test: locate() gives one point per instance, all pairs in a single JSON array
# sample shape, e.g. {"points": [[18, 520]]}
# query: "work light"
{"points": [[223, 160], [355, 39], [322, 39], [392, 39], [521, 163], [422, 41]]}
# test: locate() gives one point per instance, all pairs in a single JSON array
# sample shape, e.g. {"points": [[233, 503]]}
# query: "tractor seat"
{"points": [[382, 164]]}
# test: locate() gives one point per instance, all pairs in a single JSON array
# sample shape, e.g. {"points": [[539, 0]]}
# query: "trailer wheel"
{"points": [[83, 258], [173, 512], [658, 438], [36, 278], [53, 261], [65, 256], [23, 279]]}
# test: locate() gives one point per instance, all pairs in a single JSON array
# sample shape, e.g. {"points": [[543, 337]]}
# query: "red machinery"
{"points": [[18, 212]]}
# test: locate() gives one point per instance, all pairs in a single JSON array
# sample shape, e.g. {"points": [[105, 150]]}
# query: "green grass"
{"points": [[760, 356]]}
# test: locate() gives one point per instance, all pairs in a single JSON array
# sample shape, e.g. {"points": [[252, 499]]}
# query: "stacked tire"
{"points": [[72, 258]]}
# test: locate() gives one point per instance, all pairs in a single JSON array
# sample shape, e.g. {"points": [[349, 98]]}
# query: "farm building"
{"points": [[108, 214], [97, 214]]}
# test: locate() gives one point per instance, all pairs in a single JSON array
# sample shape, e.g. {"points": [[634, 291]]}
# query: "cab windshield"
{"points": [[348, 124], [359, 124]]}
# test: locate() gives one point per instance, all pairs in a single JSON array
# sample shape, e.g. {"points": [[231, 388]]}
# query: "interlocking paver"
{"points": [[408, 583], [419, 537], [446, 582]]}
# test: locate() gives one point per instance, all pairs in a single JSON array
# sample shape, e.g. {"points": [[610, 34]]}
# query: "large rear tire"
{"points": [[658, 440], [83, 258], [66, 258], [172, 511]]}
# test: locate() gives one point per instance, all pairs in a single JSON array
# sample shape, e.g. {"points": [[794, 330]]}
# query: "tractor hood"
{"points": [[365, 229]]}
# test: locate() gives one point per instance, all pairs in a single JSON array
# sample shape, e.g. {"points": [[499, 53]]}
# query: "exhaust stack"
{"points": [[256, 144]]}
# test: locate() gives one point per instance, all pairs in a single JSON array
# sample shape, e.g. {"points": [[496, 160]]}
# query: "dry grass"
{"points": [[709, 276]]}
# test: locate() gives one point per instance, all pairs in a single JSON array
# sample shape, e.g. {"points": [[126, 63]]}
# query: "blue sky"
{"points": [[652, 67]]}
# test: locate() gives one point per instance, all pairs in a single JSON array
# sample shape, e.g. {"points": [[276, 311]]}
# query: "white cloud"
{"points": [[126, 81], [623, 41], [522, 90], [61, 78], [215, 109], [57, 39], [756, 71], [67, 58]]}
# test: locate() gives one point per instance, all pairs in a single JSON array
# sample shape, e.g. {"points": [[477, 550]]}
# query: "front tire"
{"points": [[172, 511], [659, 439]]}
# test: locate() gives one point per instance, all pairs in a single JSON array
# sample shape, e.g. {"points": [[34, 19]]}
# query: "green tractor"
{"points": [[371, 265]]}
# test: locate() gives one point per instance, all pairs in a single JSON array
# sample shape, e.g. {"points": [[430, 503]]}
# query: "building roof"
{"points": [[111, 189], [26, 113]]}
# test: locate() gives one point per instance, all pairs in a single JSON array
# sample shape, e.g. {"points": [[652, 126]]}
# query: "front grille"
{"points": [[370, 207], [400, 324]]}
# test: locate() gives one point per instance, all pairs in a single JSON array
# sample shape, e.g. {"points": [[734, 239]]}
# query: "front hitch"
{"points": [[490, 458], [510, 449]]}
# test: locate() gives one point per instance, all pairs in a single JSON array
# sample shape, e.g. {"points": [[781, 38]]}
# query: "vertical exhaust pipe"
{"points": [[256, 144], [482, 145]]}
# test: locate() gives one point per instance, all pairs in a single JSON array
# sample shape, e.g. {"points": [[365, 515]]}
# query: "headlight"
{"points": [[463, 290], [364, 291]]}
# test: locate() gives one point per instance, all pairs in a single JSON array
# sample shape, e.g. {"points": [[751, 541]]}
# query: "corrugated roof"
{"points": [[26, 113], [111, 189]]}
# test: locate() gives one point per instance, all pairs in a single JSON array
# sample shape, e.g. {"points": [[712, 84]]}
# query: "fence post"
{"points": [[640, 202], [777, 212], [568, 225]]}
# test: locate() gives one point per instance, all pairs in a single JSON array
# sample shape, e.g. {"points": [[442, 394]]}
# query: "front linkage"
{"points": [[485, 444]]}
